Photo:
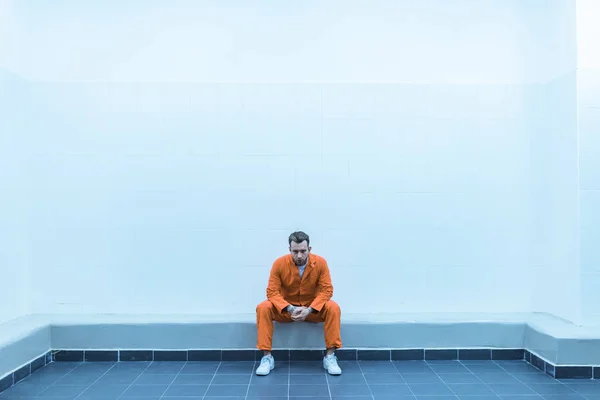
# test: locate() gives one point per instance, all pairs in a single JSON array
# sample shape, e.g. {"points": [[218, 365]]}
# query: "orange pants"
{"points": [[266, 313]]}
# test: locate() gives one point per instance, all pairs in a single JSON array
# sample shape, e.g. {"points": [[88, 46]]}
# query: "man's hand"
{"points": [[300, 313]]}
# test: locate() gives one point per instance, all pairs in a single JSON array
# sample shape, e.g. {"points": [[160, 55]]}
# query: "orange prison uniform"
{"points": [[286, 287]]}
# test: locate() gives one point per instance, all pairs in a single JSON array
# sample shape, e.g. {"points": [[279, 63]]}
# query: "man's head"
{"points": [[299, 247]]}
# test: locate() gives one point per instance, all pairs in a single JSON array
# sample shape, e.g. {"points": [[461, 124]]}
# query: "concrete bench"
{"points": [[546, 341]]}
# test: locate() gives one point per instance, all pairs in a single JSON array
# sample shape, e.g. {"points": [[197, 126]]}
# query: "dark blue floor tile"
{"points": [[450, 368], [306, 367], [390, 390], [393, 397], [145, 390], [155, 379], [482, 368], [377, 367], [381, 379], [164, 367], [237, 379], [430, 389], [271, 379], [422, 378], [518, 367], [309, 390], [317, 379], [23, 389], [349, 367], [350, 390], [500, 377], [412, 367], [510, 389], [237, 368], [186, 390], [193, 379], [228, 398], [470, 389], [522, 397], [98, 391], [200, 368], [195, 398], [122, 378], [64, 391], [263, 391], [444, 397], [78, 379], [460, 378], [573, 396], [227, 390], [491, 397], [346, 379], [301, 398], [544, 389], [586, 388]]}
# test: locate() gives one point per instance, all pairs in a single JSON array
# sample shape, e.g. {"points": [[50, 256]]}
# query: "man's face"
{"points": [[299, 252]]}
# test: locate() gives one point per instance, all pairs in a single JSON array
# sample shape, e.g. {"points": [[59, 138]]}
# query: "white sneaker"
{"points": [[331, 365], [267, 363]]}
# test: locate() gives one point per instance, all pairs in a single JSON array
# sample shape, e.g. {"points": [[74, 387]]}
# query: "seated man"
{"points": [[299, 289]]}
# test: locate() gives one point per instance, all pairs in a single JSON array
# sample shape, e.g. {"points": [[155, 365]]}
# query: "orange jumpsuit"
{"points": [[286, 287]]}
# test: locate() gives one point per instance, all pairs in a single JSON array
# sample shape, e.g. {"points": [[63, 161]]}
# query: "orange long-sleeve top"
{"points": [[286, 287]]}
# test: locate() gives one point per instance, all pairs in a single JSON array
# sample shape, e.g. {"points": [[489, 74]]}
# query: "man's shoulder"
{"points": [[319, 260], [283, 260]]}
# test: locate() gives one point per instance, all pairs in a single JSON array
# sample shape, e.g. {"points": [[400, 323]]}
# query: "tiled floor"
{"points": [[402, 380]]}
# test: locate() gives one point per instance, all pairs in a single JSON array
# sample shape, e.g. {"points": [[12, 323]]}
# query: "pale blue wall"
{"points": [[13, 196], [171, 150], [588, 80]]}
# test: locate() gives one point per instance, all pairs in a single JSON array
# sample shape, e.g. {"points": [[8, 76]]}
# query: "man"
{"points": [[299, 289]]}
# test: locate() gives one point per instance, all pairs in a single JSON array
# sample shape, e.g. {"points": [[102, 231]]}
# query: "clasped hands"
{"points": [[299, 314]]}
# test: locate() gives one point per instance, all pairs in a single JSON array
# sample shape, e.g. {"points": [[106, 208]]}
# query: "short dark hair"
{"points": [[298, 237]]}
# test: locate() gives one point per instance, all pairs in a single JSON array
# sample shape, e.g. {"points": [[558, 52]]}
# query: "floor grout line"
{"points": [[440, 378], [91, 384], [365, 378], [136, 378], [403, 380], [479, 379], [170, 384], [57, 379], [212, 379]]}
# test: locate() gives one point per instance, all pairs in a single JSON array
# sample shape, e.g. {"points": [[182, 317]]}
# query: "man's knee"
{"points": [[264, 308], [333, 307]]}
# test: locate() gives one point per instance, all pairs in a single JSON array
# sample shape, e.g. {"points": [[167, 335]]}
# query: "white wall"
{"points": [[588, 35], [13, 199], [398, 137], [555, 183]]}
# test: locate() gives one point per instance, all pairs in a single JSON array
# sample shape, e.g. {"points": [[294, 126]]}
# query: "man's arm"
{"points": [[325, 289], [274, 289]]}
